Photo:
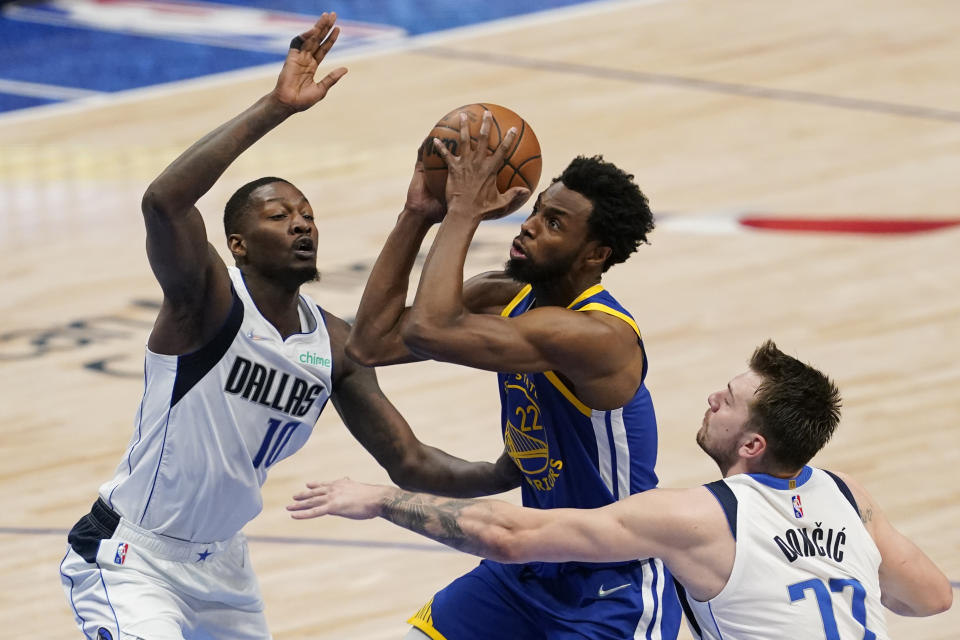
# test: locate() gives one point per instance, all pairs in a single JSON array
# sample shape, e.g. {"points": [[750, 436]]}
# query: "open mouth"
{"points": [[303, 247], [516, 251]]}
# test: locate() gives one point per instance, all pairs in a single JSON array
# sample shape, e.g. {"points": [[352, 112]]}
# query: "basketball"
{"points": [[521, 166]]}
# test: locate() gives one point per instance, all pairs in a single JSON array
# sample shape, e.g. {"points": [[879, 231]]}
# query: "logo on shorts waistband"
{"points": [[119, 558], [104, 634]]}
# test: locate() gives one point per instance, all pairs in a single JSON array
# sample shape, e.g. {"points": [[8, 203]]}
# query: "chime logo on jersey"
{"points": [[797, 507], [121, 556]]}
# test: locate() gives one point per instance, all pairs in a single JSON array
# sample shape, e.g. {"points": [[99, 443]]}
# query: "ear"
{"points": [[752, 446], [596, 254], [237, 245]]}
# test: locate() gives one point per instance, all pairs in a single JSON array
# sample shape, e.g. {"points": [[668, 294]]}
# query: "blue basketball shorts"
{"points": [[555, 602]]}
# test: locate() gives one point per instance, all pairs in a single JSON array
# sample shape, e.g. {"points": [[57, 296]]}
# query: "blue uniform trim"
{"points": [[139, 435], [107, 596], [845, 490], [72, 585], [783, 483], [656, 599], [687, 609], [728, 502], [193, 366]]}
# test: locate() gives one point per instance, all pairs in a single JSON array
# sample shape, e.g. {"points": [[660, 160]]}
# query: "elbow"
{"points": [[359, 352], [417, 333], [153, 204], [504, 545], [943, 600]]}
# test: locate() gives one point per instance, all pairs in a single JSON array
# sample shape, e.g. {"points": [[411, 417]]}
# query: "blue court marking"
{"points": [[312, 542], [60, 47], [698, 84]]}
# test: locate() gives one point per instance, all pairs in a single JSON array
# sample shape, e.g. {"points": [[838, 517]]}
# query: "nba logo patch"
{"points": [[797, 507], [121, 556]]}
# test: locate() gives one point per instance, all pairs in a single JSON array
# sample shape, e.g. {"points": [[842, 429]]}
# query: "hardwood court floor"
{"points": [[816, 109]]}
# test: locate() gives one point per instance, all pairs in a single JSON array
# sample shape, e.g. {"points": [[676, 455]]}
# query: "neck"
{"points": [[745, 466], [562, 291], [278, 304]]}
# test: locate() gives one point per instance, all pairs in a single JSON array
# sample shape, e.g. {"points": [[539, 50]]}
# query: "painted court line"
{"points": [[699, 84], [313, 542], [49, 91]]}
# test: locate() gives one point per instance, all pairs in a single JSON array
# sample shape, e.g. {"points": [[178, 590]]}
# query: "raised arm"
{"points": [[910, 583], [380, 428], [684, 527], [375, 338], [195, 284]]}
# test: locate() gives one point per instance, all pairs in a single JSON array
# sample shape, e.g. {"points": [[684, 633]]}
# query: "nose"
{"points": [[299, 224], [714, 401], [528, 225]]}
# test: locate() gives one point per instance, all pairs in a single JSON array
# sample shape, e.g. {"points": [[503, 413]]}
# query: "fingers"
{"points": [[464, 134], [485, 126], [505, 145], [318, 40], [442, 150], [327, 81]]}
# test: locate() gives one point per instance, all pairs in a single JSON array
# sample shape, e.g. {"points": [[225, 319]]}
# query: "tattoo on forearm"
{"points": [[436, 518]]}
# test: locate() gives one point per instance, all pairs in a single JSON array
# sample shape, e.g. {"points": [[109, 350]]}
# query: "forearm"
{"points": [[471, 526], [375, 335], [196, 170], [439, 300], [440, 473]]}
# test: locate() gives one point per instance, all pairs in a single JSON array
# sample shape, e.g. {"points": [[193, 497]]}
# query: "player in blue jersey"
{"points": [[777, 549], [237, 369], [577, 419]]}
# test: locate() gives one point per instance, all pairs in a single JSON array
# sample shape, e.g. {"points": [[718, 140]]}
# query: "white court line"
{"points": [[373, 50], [36, 90]]}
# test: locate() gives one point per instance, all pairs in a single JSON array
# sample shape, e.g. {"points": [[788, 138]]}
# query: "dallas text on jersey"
{"points": [[255, 382]]}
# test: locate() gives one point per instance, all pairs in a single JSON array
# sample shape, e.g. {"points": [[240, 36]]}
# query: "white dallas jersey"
{"points": [[805, 566], [212, 422]]}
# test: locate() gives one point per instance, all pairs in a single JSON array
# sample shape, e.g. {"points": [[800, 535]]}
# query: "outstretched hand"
{"points": [[472, 175], [343, 497], [296, 87]]}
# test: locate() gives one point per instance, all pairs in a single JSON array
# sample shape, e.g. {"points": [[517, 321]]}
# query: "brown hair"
{"points": [[796, 408]]}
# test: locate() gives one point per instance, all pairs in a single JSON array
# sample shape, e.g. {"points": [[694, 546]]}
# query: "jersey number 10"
{"points": [[269, 454]]}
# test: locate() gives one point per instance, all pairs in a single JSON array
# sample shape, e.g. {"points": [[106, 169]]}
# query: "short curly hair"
{"points": [[237, 204], [621, 216]]}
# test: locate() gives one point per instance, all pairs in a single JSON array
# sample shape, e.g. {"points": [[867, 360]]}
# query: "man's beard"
{"points": [[292, 277], [724, 459], [529, 272]]}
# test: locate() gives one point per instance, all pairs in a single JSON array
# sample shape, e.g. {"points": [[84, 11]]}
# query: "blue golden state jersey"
{"points": [[572, 455]]}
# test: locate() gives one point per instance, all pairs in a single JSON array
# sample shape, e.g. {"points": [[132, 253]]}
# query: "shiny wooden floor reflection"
{"points": [[808, 110]]}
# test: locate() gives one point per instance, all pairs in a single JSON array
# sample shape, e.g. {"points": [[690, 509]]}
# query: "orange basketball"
{"points": [[521, 166]]}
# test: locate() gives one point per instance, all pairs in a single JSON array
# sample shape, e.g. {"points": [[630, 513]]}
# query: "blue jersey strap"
{"points": [[728, 502], [845, 490]]}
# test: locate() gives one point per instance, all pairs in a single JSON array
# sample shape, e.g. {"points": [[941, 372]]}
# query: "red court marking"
{"points": [[848, 225]]}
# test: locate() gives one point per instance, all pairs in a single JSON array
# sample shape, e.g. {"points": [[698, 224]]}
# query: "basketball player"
{"points": [[577, 419], [777, 549], [238, 367]]}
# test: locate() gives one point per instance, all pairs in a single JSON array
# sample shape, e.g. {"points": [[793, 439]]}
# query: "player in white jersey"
{"points": [[238, 367], [777, 549]]}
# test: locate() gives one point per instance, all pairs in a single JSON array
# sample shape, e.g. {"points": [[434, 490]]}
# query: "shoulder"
{"points": [[338, 329], [490, 292], [865, 502]]}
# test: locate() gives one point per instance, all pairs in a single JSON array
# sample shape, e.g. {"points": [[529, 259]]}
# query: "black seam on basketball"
{"points": [[496, 124], [523, 129], [523, 177]]}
